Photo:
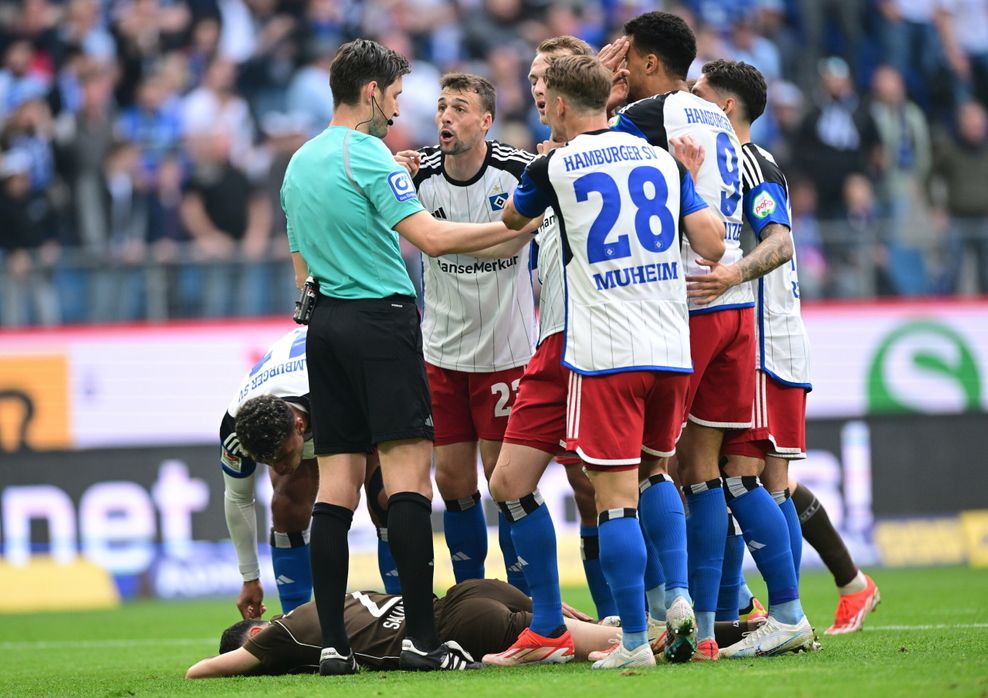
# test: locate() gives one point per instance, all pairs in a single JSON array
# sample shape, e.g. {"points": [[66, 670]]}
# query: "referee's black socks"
{"points": [[410, 537], [329, 554]]}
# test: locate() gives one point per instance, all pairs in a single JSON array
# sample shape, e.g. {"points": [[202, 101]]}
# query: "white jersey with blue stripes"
{"points": [[662, 117], [783, 346], [618, 203]]}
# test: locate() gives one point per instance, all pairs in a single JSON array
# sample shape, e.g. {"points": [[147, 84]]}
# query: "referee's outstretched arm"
{"points": [[435, 237]]}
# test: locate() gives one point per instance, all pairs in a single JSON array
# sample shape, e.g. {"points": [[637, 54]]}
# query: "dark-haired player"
{"points": [[620, 203], [347, 202], [783, 380], [480, 616], [478, 325], [660, 49], [267, 421]]}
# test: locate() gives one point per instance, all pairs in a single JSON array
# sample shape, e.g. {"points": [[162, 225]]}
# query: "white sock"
{"points": [[859, 583]]}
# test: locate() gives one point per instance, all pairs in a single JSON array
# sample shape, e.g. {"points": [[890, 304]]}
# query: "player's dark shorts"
{"points": [[367, 381], [484, 615]]}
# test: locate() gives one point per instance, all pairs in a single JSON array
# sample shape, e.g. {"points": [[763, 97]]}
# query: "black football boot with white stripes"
{"points": [[449, 656], [332, 663]]}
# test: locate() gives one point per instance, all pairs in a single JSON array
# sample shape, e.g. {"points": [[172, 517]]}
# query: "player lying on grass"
{"points": [[480, 616], [268, 422]]}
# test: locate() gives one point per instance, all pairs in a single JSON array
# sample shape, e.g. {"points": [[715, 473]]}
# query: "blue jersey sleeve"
{"points": [[531, 196], [690, 201], [766, 203]]}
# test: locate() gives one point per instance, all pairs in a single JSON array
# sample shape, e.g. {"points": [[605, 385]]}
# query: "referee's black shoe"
{"points": [[332, 663], [449, 656]]}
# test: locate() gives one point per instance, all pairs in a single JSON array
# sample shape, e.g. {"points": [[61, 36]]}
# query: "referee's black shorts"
{"points": [[367, 381], [485, 616]]}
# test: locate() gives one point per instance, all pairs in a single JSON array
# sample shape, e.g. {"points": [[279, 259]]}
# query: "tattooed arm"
{"points": [[774, 250]]}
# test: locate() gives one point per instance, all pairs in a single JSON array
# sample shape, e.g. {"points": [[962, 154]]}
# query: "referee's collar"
{"points": [[476, 177]]}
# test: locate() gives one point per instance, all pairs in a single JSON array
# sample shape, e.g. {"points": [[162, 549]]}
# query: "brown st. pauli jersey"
{"points": [[375, 624]]}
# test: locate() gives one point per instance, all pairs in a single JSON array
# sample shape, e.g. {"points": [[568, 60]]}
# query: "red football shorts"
{"points": [[612, 418], [538, 418], [471, 406], [780, 423], [722, 386]]}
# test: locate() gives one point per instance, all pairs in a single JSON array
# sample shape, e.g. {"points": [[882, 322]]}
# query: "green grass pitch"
{"points": [[929, 637]]}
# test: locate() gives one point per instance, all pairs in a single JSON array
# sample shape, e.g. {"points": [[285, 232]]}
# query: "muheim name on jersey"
{"points": [[710, 118], [267, 374], [641, 274], [478, 267], [605, 156]]}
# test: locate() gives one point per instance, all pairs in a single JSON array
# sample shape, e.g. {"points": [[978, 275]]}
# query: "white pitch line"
{"points": [[941, 626], [89, 644]]}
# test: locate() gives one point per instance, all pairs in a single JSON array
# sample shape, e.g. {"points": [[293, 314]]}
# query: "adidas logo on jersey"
{"points": [[439, 213]]}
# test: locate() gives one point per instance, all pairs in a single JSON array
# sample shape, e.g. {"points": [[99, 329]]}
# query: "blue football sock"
{"points": [[466, 536], [672, 594], [656, 597], [706, 622], [655, 582], [790, 612], [744, 595], [386, 563], [784, 500], [599, 591], [535, 543], [706, 530], [292, 569], [622, 557], [767, 535], [516, 577], [731, 578], [664, 524]]}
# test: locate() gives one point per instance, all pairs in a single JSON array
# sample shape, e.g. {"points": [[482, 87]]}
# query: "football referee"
{"points": [[345, 197]]}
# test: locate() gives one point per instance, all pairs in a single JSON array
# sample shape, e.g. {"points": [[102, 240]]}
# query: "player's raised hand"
{"points": [[619, 90], [688, 152], [410, 159], [705, 288], [613, 54], [548, 145], [250, 603]]}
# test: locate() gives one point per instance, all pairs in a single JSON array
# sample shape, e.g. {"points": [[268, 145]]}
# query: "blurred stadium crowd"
{"points": [[143, 142]]}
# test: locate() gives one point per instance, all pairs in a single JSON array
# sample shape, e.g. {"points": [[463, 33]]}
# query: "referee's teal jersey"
{"points": [[343, 194]]}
